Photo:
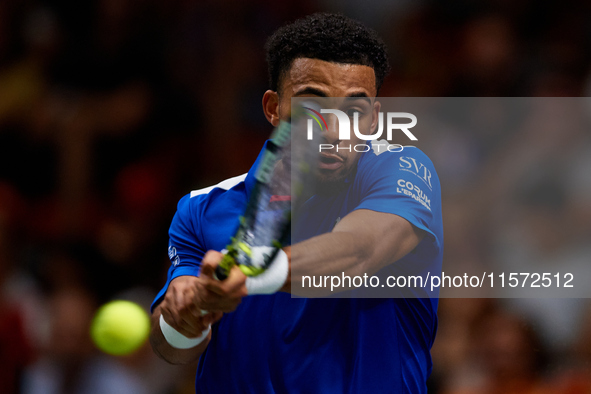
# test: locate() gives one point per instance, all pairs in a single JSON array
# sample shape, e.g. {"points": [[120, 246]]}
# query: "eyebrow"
{"points": [[358, 94], [361, 95], [320, 93], [310, 90]]}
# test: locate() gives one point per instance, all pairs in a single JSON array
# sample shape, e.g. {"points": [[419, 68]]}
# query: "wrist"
{"points": [[178, 340], [272, 279]]}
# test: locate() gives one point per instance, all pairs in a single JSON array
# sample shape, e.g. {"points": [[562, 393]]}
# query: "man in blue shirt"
{"points": [[379, 212]]}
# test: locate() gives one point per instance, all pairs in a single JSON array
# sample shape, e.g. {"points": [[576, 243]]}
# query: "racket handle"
{"points": [[219, 273]]}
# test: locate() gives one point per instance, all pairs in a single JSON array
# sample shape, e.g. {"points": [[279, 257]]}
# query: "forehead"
{"points": [[331, 79]]}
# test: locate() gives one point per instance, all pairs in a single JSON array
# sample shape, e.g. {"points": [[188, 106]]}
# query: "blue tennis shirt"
{"points": [[279, 344]]}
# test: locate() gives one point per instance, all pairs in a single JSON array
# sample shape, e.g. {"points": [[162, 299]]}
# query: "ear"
{"points": [[271, 107], [375, 115]]}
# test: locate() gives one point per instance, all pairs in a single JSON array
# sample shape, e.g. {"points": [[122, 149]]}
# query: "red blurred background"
{"points": [[111, 110]]}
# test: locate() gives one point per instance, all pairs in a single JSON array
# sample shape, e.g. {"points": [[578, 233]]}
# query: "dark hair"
{"points": [[329, 37]]}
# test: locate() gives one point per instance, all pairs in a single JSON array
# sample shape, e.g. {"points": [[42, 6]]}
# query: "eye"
{"points": [[352, 111]]}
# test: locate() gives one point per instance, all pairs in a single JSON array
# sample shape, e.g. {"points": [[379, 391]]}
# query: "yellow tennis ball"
{"points": [[120, 327]]}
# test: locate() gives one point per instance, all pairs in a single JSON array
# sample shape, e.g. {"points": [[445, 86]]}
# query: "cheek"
{"points": [[284, 108], [367, 121], [353, 156], [364, 128]]}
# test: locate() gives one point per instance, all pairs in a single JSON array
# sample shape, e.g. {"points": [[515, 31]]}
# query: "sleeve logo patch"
{"points": [[409, 189], [417, 168], [174, 259]]}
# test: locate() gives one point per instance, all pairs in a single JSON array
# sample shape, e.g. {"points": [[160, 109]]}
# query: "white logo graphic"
{"points": [[345, 125], [411, 190], [411, 165], [344, 128], [173, 256]]}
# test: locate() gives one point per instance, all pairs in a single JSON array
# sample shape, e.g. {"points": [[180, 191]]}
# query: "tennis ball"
{"points": [[120, 327]]}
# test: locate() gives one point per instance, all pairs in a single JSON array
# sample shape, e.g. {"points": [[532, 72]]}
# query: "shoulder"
{"points": [[220, 191], [403, 182], [385, 160], [211, 200], [222, 195], [225, 185], [383, 153]]}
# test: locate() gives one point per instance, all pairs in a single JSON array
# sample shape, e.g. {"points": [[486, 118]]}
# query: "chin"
{"points": [[329, 183]]}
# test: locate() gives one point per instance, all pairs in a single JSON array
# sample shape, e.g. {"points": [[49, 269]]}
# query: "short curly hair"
{"points": [[329, 37]]}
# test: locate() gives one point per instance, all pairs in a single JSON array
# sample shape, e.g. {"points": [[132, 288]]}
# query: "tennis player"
{"points": [[273, 343]]}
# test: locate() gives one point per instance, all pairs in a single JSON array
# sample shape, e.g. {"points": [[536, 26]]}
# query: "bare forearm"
{"points": [[362, 243], [330, 254], [169, 353]]}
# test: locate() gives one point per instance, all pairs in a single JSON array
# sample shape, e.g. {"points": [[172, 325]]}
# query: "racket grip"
{"points": [[219, 273]]}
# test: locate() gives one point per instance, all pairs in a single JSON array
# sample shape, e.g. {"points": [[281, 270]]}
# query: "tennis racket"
{"points": [[284, 172]]}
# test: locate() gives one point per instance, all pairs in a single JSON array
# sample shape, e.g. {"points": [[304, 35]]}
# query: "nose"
{"points": [[330, 134]]}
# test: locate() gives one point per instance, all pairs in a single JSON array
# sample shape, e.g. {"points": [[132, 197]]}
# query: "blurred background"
{"points": [[111, 110]]}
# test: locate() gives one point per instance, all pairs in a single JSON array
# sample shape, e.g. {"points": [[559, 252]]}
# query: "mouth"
{"points": [[330, 162]]}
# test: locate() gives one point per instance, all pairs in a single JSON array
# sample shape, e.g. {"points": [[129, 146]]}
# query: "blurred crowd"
{"points": [[111, 110]]}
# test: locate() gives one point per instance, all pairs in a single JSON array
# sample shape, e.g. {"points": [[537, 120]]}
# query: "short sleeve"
{"points": [[403, 183], [185, 249]]}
